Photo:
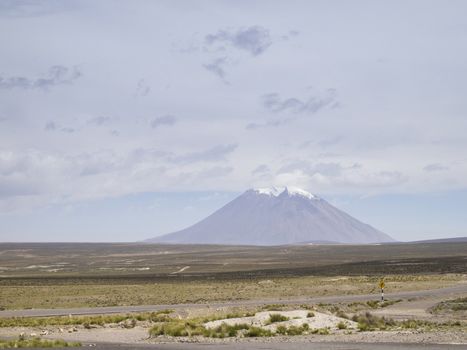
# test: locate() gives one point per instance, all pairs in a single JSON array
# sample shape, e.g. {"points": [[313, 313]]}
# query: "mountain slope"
{"points": [[275, 216]]}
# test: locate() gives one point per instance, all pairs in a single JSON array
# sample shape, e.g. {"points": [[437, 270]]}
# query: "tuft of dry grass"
{"points": [[274, 318], [36, 343], [452, 305], [128, 320]]}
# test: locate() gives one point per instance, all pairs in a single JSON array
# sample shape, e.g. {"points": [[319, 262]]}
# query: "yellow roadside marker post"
{"points": [[381, 286]]}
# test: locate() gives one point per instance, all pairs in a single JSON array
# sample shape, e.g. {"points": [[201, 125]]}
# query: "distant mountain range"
{"points": [[443, 240], [276, 216]]}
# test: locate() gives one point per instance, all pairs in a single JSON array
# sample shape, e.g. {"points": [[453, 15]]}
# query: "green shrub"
{"points": [[273, 318], [258, 332], [342, 325], [298, 330], [321, 331], [225, 330], [292, 330], [173, 329], [310, 314], [369, 322], [281, 329]]}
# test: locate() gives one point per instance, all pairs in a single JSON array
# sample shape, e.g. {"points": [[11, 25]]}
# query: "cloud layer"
{"points": [[222, 97]]}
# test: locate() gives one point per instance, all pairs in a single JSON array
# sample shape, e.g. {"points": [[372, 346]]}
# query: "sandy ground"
{"points": [[295, 318]]}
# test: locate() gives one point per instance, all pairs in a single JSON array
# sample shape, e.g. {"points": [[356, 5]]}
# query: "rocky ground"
{"points": [[139, 335]]}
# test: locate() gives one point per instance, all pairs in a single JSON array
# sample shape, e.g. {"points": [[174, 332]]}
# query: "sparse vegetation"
{"points": [[178, 329], [369, 322], [95, 275], [373, 304], [427, 325], [36, 343], [341, 325], [81, 281], [321, 331], [376, 304], [273, 318], [193, 328], [225, 330], [342, 314], [452, 305], [293, 330], [274, 307], [221, 316], [258, 332], [127, 321]]}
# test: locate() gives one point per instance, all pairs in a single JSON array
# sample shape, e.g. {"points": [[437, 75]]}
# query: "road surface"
{"points": [[442, 292]]}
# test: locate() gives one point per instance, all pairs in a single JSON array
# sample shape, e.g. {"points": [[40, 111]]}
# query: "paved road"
{"points": [[443, 292], [284, 346]]}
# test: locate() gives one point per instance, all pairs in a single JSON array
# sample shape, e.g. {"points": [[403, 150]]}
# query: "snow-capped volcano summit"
{"points": [[274, 216], [290, 191]]}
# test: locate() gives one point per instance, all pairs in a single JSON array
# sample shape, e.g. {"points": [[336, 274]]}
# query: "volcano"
{"points": [[276, 216]]}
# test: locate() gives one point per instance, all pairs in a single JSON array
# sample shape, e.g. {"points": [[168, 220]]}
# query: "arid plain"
{"points": [[147, 293]]}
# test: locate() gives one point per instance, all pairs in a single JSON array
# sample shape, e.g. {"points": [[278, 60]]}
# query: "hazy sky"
{"points": [[122, 120]]}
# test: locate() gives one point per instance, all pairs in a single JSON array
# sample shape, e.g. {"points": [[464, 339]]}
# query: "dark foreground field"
{"points": [[60, 275], [175, 262]]}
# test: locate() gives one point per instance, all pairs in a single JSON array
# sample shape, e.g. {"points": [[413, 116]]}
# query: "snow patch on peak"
{"points": [[270, 191], [298, 191], [290, 191]]}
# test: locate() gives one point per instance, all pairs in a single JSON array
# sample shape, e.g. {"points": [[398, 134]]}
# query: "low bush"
{"points": [[375, 304], [178, 329], [292, 330], [369, 322], [298, 330], [225, 330], [320, 331], [342, 325], [258, 332], [273, 318]]}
